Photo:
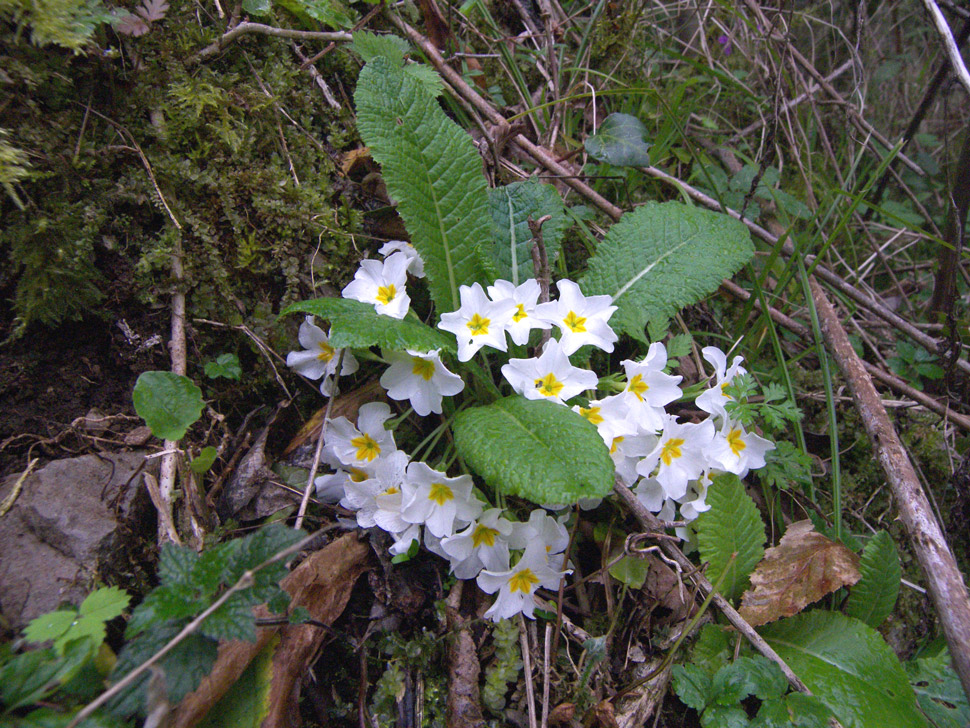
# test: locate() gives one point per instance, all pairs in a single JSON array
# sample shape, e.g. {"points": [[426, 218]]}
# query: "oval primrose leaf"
{"points": [[511, 206], [169, 403], [354, 324], [848, 665], [662, 257], [534, 449], [620, 141]]}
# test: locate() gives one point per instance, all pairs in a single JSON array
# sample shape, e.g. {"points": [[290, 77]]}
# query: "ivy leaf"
{"points": [[847, 665], [169, 403], [354, 324], [939, 692], [732, 527], [225, 365], [510, 207], [620, 141], [534, 449], [662, 257], [434, 172], [874, 597]]}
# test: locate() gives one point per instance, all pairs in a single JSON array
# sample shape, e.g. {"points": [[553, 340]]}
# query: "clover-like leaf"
{"points": [[620, 141], [169, 403]]}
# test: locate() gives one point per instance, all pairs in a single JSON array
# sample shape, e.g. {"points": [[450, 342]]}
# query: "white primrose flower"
{"points": [[581, 320], [439, 502], [420, 378], [679, 456], [377, 500], [526, 298], [694, 501], [628, 451], [648, 389], [319, 358], [382, 284], [542, 528], [484, 544], [714, 399], [738, 451], [358, 446], [403, 540], [516, 586], [331, 487], [478, 321], [415, 262], [548, 376]]}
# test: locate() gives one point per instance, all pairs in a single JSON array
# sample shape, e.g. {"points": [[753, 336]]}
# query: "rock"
{"points": [[65, 528]]}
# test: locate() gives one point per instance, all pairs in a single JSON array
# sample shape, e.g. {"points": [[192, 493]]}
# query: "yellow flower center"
{"points": [[549, 386], [483, 535], [519, 313], [385, 294], [615, 444], [577, 324], [736, 443], [592, 414], [478, 325], [422, 368], [724, 386], [393, 490], [523, 581], [367, 447], [671, 450], [440, 493], [326, 352], [357, 475], [638, 386]]}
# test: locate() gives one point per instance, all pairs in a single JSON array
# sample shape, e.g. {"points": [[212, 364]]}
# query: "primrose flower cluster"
{"points": [[668, 463]]}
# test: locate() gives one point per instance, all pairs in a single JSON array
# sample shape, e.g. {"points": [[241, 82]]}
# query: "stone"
{"points": [[68, 527]]}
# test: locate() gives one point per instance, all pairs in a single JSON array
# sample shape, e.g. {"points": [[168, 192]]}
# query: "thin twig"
{"points": [[546, 669], [260, 29], [530, 691], [11, 498], [949, 44]]}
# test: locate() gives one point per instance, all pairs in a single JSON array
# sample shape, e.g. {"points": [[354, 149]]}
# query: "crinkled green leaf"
{"points": [[169, 403], [231, 621], [225, 365], [434, 173], [873, 598], [939, 691], [746, 676], [731, 526], [105, 603], [692, 685], [246, 703], [620, 141], [175, 563], [847, 665], [724, 716], [662, 257], [371, 45], [538, 450], [713, 648], [355, 324], [795, 710], [511, 206]]}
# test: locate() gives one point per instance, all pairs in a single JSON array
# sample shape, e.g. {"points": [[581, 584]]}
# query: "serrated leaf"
{"points": [[371, 45], [428, 78], [175, 563], [713, 648], [354, 324], [534, 449], [874, 597], [939, 691], [232, 621], [662, 257], [153, 10], [225, 365], [246, 703], [169, 403], [49, 626], [434, 173], [801, 569], [732, 526], [692, 685], [724, 716], [510, 207], [847, 665], [620, 141], [105, 603]]}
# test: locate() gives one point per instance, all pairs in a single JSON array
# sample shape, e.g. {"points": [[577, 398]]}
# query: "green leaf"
{"points": [[225, 365], [535, 449], [732, 526], [511, 206], [679, 346], [105, 603], [662, 257], [746, 676], [692, 685], [434, 172], [331, 13], [724, 716], [49, 626], [939, 691], [33, 675], [246, 703], [620, 141], [631, 571], [354, 324], [846, 664], [713, 648], [257, 7], [796, 710], [203, 462], [169, 403], [371, 45], [873, 598]]}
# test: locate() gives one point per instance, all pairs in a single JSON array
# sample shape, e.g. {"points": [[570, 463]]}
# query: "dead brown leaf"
{"points": [[801, 569]]}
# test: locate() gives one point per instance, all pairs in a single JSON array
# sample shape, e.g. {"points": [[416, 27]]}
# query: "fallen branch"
{"points": [[949, 44], [260, 29]]}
